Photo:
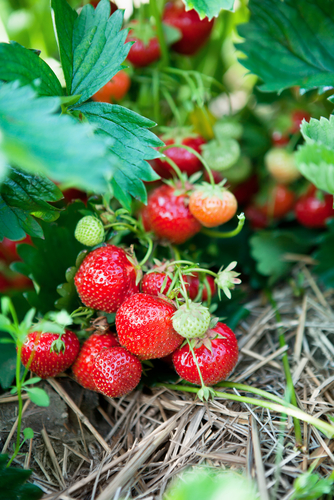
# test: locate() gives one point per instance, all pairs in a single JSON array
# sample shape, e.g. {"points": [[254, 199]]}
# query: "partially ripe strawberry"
{"points": [[281, 165], [44, 362], [297, 117], [191, 320], [84, 364], [169, 215], [212, 205], [116, 372], [89, 231], [144, 326], [216, 354], [106, 277]]}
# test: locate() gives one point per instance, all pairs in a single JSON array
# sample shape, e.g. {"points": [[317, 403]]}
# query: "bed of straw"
{"points": [[91, 447]]}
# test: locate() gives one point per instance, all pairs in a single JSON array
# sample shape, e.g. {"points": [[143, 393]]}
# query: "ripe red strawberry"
{"points": [[116, 372], [280, 201], [152, 283], [144, 326], [313, 209], [44, 362], [195, 31], [186, 161], [169, 215], [84, 364], [212, 205], [146, 48], [215, 364], [194, 284], [106, 278]]}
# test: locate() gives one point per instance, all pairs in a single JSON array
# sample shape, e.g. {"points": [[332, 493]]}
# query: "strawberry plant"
{"points": [[125, 177]]}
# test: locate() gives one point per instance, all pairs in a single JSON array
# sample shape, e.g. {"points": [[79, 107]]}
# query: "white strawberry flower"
{"points": [[227, 279]]}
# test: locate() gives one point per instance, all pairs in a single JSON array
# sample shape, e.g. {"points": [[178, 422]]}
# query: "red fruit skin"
{"points": [[281, 201], [106, 278], [256, 218], [84, 364], [193, 288], [169, 215], [215, 366], [116, 372], [297, 117], [279, 139], [115, 89], [71, 194], [8, 249], [195, 31], [152, 283], [144, 326], [113, 6], [186, 161], [45, 363], [142, 55], [4, 283], [312, 212]]}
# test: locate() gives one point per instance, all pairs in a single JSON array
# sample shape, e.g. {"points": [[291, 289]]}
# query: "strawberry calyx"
{"points": [[99, 325], [176, 134], [227, 279], [54, 322], [212, 191], [130, 255], [143, 31], [207, 338]]}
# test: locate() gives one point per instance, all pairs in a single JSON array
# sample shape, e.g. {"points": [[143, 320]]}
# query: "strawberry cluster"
{"points": [[154, 319]]}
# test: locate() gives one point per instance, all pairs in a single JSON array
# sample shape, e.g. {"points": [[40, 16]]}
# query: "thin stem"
{"points": [[183, 286], [177, 254], [229, 234], [254, 390], [148, 253], [13, 313], [19, 397], [196, 362], [324, 427], [289, 382], [176, 169], [160, 32]]}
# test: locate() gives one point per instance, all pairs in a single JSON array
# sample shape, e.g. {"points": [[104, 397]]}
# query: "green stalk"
{"points": [[229, 234], [291, 394], [148, 253], [19, 397], [195, 153], [160, 32], [284, 408]]}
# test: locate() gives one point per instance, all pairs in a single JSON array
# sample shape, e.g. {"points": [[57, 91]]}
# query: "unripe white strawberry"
{"points": [[281, 165], [89, 231], [191, 320]]}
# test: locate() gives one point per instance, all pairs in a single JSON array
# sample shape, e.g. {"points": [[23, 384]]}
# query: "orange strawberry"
{"points": [[212, 205]]}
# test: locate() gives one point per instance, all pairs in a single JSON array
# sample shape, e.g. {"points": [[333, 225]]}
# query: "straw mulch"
{"points": [[134, 446]]}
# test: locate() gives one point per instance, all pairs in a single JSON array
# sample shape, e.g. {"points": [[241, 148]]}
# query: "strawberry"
{"points": [[280, 201], [212, 205], [144, 326], [89, 231], [216, 354], [314, 208], [186, 161], [281, 165], [84, 364], [169, 215], [191, 320], [106, 277], [146, 48], [45, 361], [116, 372], [152, 283]]}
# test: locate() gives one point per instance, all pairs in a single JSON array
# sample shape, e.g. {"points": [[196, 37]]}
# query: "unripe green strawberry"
{"points": [[191, 320], [89, 231]]}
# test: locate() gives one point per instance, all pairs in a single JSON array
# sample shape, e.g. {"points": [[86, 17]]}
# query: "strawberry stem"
{"points": [[158, 23], [282, 407], [196, 363], [230, 234], [148, 253]]}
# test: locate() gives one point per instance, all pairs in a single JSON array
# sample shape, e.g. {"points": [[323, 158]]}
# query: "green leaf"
{"points": [[31, 193], [92, 46], [38, 396], [7, 363], [209, 8], [289, 43], [67, 291], [47, 261], [36, 139], [16, 223], [13, 483], [133, 145], [315, 158], [28, 433], [268, 249], [65, 18], [24, 65], [325, 256], [32, 380]]}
